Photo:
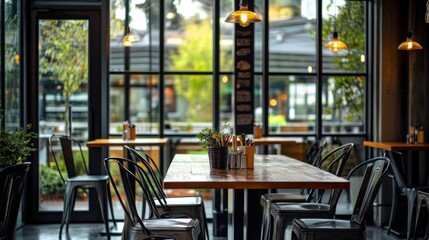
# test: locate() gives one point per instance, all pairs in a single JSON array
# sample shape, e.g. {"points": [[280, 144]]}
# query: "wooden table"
{"points": [[118, 142], [271, 171], [258, 141], [416, 169], [112, 142], [397, 146]]}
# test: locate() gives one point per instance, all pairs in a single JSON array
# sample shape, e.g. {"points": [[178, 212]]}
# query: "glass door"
{"points": [[63, 102], [66, 75]]}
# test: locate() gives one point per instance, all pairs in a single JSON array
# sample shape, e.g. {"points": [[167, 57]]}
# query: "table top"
{"points": [[397, 146], [258, 141], [271, 171], [111, 142]]}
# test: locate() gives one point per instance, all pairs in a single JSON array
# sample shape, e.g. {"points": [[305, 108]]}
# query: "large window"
{"points": [[170, 72]]}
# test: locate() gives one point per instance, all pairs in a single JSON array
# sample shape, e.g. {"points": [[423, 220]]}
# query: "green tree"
{"points": [[349, 91], [196, 54], [64, 55]]}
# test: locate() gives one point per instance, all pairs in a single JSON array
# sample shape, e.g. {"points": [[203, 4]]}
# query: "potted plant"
{"points": [[15, 146], [216, 142]]}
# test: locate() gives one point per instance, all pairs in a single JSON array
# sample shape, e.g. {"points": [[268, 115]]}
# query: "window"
{"points": [[302, 75]]}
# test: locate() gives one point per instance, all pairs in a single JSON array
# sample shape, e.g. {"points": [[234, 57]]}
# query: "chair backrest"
{"points": [[153, 175], [67, 144], [313, 155], [397, 160], [129, 180], [334, 163], [374, 171], [12, 181]]}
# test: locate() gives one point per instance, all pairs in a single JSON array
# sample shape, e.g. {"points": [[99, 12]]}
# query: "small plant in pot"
{"points": [[15, 146], [216, 142]]}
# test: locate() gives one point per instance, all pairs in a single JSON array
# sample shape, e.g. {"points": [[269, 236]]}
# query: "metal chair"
{"points": [[313, 157], [316, 228], [12, 181], [80, 178], [161, 225], [284, 212], [397, 168], [422, 197], [190, 205]]}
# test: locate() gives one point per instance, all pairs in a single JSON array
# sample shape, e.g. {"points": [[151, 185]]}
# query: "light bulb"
{"points": [[244, 21]]}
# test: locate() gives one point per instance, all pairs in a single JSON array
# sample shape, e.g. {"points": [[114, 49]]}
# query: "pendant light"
{"points": [[243, 16], [409, 44], [130, 37], [335, 44]]}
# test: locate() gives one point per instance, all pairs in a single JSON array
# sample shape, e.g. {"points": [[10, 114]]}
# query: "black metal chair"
{"points": [[78, 177], [422, 198], [161, 225], [313, 157], [12, 181], [284, 212], [399, 187], [190, 205], [316, 228]]}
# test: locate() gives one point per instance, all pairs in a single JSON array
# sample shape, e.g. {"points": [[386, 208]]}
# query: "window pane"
{"points": [[343, 101], [189, 42], [292, 42], [226, 99], [292, 103], [347, 18], [116, 103], [144, 103], [188, 102], [143, 22], [117, 29], [226, 38], [11, 63]]}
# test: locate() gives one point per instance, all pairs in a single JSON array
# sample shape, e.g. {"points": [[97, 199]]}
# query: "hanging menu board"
{"points": [[244, 79]]}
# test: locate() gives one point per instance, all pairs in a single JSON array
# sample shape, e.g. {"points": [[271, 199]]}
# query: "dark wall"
{"points": [[403, 79]]}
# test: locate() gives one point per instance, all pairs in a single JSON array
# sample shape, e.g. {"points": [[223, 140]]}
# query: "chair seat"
{"points": [[89, 178], [179, 201], [327, 224], [282, 197], [171, 224], [177, 228], [278, 208]]}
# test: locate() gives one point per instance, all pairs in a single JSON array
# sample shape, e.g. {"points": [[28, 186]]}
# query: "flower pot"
{"points": [[218, 157]]}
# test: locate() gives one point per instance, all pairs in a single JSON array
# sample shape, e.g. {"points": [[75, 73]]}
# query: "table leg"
{"points": [[253, 213], [245, 214], [236, 212]]}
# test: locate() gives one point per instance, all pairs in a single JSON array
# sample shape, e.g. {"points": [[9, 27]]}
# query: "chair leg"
{"points": [[205, 222], [411, 198], [102, 195], [109, 197], [427, 227], [394, 206], [419, 203], [71, 204], [65, 208], [266, 222]]}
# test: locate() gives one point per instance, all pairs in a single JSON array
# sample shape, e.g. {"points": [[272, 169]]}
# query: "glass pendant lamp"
{"points": [[130, 37], [336, 45], [409, 44], [243, 16]]}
